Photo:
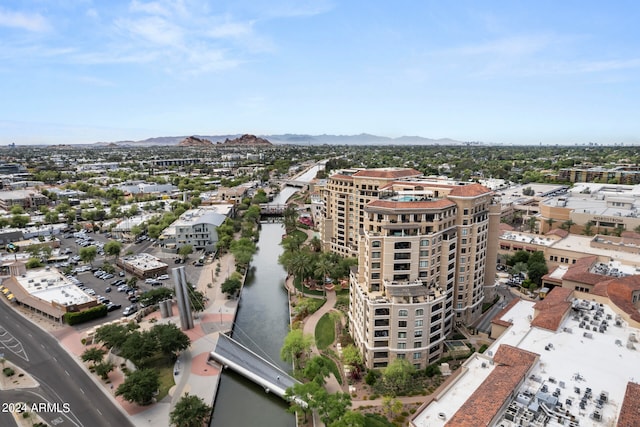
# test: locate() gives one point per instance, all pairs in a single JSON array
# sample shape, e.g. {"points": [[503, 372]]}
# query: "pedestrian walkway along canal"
{"points": [[261, 325]]}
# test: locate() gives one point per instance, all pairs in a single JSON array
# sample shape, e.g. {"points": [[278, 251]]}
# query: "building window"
{"points": [[424, 264], [375, 244], [419, 322], [375, 255], [375, 276], [417, 344], [375, 265], [417, 355], [424, 253], [402, 334], [401, 356], [403, 313], [402, 323], [420, 312], [417, 334], [424, 242]]}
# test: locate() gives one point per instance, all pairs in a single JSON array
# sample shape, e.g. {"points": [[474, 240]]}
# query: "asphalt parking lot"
{"points": [[99, 285]]}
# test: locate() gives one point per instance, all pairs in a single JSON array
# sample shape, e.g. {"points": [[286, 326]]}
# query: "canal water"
{"points": [[261, 325], [262, 322]]}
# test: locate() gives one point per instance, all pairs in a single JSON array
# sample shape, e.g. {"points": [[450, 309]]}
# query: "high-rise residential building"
{"points": [[426, 250]]}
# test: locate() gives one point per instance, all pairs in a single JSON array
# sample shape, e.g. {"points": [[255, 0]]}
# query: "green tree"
{"points": [[94, 354], [16, 210], [317, 369], [331, 406], [290, 219], [138, 346], [103, 369], [323, 268], [231, 286], [139, 386], [88, 254], [185, 251], [33, 263], [392, 406], [350, 419], [113, 248], [156, 295], [351, 356], [296, 344], [397, 376], [171, 340], [567, 225], [301, 397], [19, 221], [588, 228], [113, 336], [190, 411], [535, 271], [197, 300]]}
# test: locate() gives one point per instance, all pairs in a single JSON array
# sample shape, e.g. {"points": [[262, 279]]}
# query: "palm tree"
{"points": [[300, 266], [323, 267], [588, 228], [531, 223], [567, 225], [550, 222]]}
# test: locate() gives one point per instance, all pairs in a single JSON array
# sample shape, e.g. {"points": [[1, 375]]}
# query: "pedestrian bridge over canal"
{"points": [[231, 354]]}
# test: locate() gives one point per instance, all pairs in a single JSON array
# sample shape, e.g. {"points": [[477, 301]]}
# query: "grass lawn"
{"points": [[166, 381], [325, 332], [375, 420], [299, 234], [164, 366]]}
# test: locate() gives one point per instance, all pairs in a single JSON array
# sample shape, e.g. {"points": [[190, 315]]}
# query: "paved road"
{"points": [[61, 379], [505, 298]]}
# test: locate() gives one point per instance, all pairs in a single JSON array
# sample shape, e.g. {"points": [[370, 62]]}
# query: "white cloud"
{"points": [[26, 21], [152, 29], [230, 30]]}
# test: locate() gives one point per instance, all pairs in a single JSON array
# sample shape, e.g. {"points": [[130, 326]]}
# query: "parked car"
{"points": [[130, 310], [108, 289], [163, 277], [112, 306]]}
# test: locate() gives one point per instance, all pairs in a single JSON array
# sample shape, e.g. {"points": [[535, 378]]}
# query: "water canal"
{"points": [[262, 322]]}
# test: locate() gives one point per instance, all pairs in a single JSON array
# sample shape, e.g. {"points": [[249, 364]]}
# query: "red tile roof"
{"points": [[341, 176], [505, 227], [630, 411], [552, 309], [620, 293], [471, 190], [482, 407], [580, 271], [557, 232], [423, 204], [387, 173]]}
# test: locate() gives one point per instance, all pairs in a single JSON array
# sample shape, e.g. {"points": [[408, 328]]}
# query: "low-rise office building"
{"points": [[142, 265], [196, 227], [593, 208], [45, 291]]}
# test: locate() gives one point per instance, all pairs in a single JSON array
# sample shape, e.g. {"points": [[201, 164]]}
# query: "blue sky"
{"points": [[510, 72]]}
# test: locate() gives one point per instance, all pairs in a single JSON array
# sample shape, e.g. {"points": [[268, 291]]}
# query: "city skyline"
{"points": [[499, 73]]}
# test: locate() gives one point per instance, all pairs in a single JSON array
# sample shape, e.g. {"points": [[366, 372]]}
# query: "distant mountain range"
{"points": [[297, 139]]}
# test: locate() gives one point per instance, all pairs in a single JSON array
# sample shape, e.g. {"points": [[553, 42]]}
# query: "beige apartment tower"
{"points": [[426, 250]]}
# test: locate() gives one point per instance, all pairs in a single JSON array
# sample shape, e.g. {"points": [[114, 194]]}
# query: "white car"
{"points": [[163, 277], [149, 281]]}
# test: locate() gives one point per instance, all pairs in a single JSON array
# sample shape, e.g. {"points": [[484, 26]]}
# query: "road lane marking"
{"points": [[67, 372]]}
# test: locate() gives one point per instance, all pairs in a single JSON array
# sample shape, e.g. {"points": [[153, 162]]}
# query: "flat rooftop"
{"points": [[572, 359], [51, 286], [144, 261]]}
